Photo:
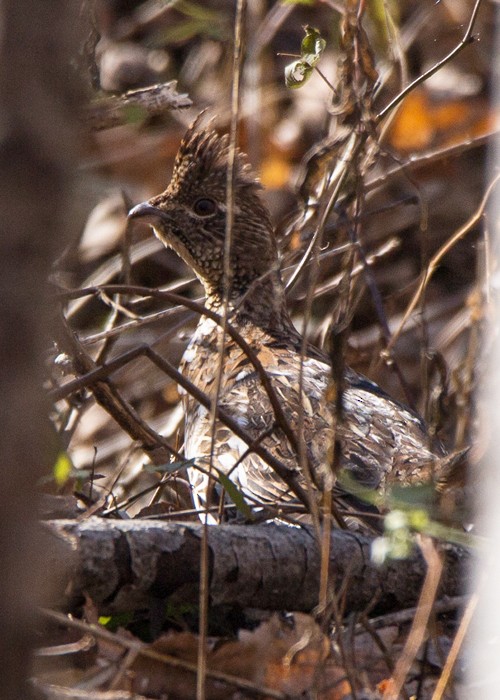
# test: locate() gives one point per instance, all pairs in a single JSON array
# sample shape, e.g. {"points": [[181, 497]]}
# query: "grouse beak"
{"points": [[146, 213]]}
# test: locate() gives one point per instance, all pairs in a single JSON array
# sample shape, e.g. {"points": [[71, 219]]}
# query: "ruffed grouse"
{"points": [[381, 440]]}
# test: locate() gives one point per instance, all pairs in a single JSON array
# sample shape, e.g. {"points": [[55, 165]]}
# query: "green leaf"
{"points": [[62, 469], [312, 46], [113, 622], [414, 496], [235, 495], [398, 540], [298, 72]]}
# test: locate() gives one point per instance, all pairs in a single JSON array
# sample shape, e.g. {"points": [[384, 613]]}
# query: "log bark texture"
{"points": [[126, 565]]}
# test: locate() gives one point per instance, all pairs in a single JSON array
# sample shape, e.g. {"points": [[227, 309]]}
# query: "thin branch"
{"points": [[436, 259], [288, 475], [198, 308], [349, 152], [455, 647], [407, 615], [466, 40], [415, 638], [428, 157], [143, 650], [110, 399], [227, 275]]}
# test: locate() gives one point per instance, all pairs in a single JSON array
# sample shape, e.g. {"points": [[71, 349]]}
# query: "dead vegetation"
{"points": [[374, 170]]}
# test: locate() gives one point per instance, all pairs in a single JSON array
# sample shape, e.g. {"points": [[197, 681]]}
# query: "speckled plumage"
{"points": [[381, 440]]}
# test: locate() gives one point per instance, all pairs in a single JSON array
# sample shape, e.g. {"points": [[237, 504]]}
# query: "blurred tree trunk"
{"points": [[37, 154], [484, 642]]}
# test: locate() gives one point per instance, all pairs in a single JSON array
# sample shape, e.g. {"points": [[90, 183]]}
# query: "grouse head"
{"points": [[190, 216]]}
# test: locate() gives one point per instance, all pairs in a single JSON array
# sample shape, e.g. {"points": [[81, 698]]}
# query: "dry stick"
{"points": [[374, 289], [143, 321], [288, 475], [140, 321], [124, 666], [352, 148], [143, 650], [110, 399], [116, 309], [126, 246], [402, 616], [145, 102], [111, 268], [436, 259], [268, 28], [415, 638], [123, 505], [350, 153], [466, 40], [373, 634], [198, 308], [444, 678], [391, 110], [395, 42], [103, 372], [338, 614], [226, 278], [338, 176], [334, 281], [426, 158], [369, 278], [160, 292]]}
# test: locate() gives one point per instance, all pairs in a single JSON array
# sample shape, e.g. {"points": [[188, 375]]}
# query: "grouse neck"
{"points": [[262, 303]]}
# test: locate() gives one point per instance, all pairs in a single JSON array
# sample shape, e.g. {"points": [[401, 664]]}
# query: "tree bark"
{"points": [[126, 565]]}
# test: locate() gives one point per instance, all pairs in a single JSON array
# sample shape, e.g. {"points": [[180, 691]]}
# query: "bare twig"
{"points": [[467, 39], [436, 259], [143, 650], [426, 158], [109, 398], [434, 560], [226, 280], [95, 376], [444, 678], [106, 369]]}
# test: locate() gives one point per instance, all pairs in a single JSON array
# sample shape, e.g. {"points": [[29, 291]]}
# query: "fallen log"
{"points": [[134, 564]]}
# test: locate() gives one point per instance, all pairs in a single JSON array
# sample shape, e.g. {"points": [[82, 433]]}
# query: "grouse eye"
{"points": [[204, 207]]}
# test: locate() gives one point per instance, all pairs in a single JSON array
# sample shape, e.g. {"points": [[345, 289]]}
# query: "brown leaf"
{"points": [[291, 657]]}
